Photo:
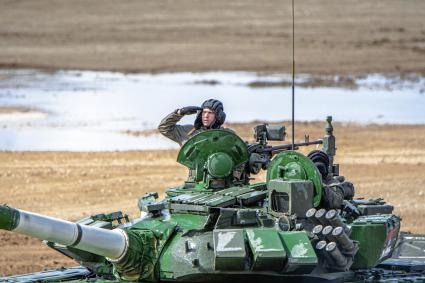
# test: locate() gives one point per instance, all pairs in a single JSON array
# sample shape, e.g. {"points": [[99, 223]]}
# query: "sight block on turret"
{"points": [[290, 196]]}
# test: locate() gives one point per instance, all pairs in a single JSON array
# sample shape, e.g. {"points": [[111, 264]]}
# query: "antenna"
{"points": [[293, 76]]}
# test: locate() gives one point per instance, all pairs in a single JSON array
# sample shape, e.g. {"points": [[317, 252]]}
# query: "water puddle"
{"points": [[85, 110]]}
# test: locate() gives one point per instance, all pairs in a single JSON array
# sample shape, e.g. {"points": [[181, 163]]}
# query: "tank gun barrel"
{"points": [[109, 243]]}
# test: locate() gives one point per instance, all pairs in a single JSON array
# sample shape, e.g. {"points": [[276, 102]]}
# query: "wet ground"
{"points": [[98, 111]]}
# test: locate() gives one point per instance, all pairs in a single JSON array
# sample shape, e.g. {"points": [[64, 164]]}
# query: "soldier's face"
{"points": [[208, 117]]}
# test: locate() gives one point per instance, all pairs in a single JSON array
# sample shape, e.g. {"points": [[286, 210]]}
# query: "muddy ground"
{"points": [[382, 160], [332, 36]]}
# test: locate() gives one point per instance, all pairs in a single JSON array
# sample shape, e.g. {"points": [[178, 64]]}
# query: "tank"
{"points": [[303, 224]]}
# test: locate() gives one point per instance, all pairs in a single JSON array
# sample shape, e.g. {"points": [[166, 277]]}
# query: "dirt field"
{"points": [[332, 36], [382, 161]]}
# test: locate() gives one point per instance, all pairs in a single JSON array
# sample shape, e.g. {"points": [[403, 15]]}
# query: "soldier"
{"points": [[209, 116]]}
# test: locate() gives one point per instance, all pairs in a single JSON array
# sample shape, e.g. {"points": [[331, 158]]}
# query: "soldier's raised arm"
{"points": [[169, 128], [209, 116]]}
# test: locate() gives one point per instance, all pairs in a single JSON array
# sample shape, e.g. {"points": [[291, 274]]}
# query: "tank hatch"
{"points": [[217, 151]]}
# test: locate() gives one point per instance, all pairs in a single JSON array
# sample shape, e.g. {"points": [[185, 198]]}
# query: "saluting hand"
{"points": [[188, 110]]}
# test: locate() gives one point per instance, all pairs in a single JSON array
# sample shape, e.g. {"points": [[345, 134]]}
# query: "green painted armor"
{"points": [[218, 228]]}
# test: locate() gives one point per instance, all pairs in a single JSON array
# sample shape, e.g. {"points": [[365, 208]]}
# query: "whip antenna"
{"points": [[293, 76]]}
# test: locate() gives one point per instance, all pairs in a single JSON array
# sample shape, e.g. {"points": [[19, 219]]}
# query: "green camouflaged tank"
{"points": [[301, 225]]}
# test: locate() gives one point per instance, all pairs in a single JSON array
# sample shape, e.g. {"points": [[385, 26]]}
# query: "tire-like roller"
{"points": [[321, 160]]}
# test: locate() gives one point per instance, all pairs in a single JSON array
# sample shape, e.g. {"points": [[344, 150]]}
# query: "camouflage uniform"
{"points": [[178, 133]]}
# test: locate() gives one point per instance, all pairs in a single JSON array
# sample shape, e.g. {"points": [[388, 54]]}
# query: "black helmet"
{"points": [[216, 106]]}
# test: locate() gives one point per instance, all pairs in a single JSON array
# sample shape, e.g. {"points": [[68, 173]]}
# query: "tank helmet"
{"points": [[216, 106]]}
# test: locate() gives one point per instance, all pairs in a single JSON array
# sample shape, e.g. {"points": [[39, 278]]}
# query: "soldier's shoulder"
{"points": [[229, 130]]}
